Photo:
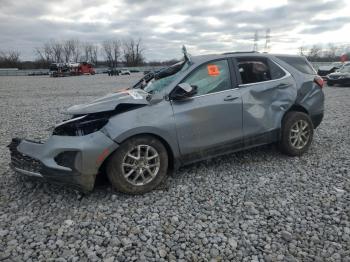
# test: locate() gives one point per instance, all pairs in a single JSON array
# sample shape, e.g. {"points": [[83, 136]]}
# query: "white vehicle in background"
{"points": [[345, 64], [125, 72]]}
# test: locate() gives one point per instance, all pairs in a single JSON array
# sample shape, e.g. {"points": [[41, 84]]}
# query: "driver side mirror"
{"points": [[183, 91]]}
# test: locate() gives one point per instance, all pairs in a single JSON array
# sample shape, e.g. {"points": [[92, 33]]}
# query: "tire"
{"points": [[293, 141], [127, 167]]}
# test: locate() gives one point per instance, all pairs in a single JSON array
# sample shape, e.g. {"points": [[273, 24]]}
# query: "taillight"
{"points": [[319, 81]]}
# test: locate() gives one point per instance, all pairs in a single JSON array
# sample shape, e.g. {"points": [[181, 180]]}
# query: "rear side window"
{"points": [[299, 63], [253, 70], [276, 71]]}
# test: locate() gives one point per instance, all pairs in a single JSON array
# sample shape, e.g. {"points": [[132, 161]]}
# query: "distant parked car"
{"points": [[323, 71], [345, 64], [113, 72], [124, 72], [341, 77], [59, 70]]}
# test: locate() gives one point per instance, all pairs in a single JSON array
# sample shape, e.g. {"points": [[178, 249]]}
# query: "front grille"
{"points": [[334, 77], [22, 161]]}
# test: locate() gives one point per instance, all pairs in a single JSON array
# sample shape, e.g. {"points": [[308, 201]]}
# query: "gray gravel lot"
{"points": [[256, 205]]}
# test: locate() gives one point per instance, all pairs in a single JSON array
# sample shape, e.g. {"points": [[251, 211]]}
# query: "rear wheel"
{"points": [[138, 165], [296, 134]]}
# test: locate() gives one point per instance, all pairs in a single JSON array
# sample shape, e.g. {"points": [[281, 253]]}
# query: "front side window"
{"points": [[210, 78], [253, 70]]}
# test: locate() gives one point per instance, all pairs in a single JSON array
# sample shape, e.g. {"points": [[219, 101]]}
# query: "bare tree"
{"points": [[116, 46], [45, 53], [90, 52], [314, 53], [57, 50], [87, 50], [332, 51], [111, 49], [10, 58], [107, 49], [13, 56], [94, 54], [68, 48], [133, 52], [302, 51], [76, 50]]}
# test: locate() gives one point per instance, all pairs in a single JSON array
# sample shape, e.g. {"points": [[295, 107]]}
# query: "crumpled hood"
{"points": [[110, 102]]}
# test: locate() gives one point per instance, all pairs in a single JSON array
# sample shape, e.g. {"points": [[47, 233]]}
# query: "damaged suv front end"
{"points": [[62, 159], [77, 148], [75, 151]]}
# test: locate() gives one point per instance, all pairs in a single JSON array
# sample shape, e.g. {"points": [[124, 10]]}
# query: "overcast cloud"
{"points": [[203, 26]]}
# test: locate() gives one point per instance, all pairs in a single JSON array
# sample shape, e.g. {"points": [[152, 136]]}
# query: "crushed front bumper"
{"points": [[69, 160]]}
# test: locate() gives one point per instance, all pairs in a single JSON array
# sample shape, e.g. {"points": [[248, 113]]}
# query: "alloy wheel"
{"points": [[299, 134], [141, 165]]}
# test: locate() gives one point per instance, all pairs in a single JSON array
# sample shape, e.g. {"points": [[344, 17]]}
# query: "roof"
{"points": [[205, 58]]}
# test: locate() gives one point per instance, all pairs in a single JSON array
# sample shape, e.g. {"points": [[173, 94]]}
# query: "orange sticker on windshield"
{"points": [[213, 70]]}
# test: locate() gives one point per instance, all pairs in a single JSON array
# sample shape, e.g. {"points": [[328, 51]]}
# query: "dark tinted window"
{"points": [[276, 71], [253, 70], [299, 63]]}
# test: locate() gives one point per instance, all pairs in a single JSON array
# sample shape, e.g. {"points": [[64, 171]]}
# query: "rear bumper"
{"points": [[72, 161]]}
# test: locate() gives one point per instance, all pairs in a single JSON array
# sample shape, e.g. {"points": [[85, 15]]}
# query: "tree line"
{"points": [[330, 53], [129, 52], [9, 59], [114, 52]]}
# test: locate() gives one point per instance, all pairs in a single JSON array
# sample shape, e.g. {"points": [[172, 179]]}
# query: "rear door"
{"points": [[267, 91], [209, 123]]}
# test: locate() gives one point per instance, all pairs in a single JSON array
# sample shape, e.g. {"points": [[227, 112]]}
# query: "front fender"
{"points": [[156, 120]]}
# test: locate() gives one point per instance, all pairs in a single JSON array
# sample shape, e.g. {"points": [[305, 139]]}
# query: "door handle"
{"points": [[282, 86], [230, 98]]}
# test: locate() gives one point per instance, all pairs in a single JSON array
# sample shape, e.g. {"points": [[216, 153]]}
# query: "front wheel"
{"points": [[138, 165], [296, 134]]}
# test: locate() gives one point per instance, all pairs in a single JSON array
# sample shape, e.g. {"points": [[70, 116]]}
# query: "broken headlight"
{"points": [[80, 126]]}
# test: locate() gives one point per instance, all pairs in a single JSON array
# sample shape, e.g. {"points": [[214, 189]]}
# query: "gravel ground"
{"points": [[256, 205]]}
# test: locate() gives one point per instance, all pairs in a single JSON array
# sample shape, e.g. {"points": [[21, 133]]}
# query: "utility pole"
{"points": [[256, 39], [268, 39]]}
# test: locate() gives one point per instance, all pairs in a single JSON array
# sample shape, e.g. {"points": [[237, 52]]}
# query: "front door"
{"points": [[209, 123]]}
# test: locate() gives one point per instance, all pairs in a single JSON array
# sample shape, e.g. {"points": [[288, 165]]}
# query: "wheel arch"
{"points": [[173, 163], [294, 108]]}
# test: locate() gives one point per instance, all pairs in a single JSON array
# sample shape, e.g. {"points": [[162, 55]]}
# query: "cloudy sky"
{"points": [[203, 26]]}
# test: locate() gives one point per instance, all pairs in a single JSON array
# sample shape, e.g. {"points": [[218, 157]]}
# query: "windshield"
{"points": [[165, 77]]}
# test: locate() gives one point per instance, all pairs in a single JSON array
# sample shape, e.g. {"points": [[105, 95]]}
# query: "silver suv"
{"points": [[201, 107]]}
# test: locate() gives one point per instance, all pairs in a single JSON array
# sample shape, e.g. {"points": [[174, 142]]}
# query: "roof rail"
{"points": [[240, 52]]}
